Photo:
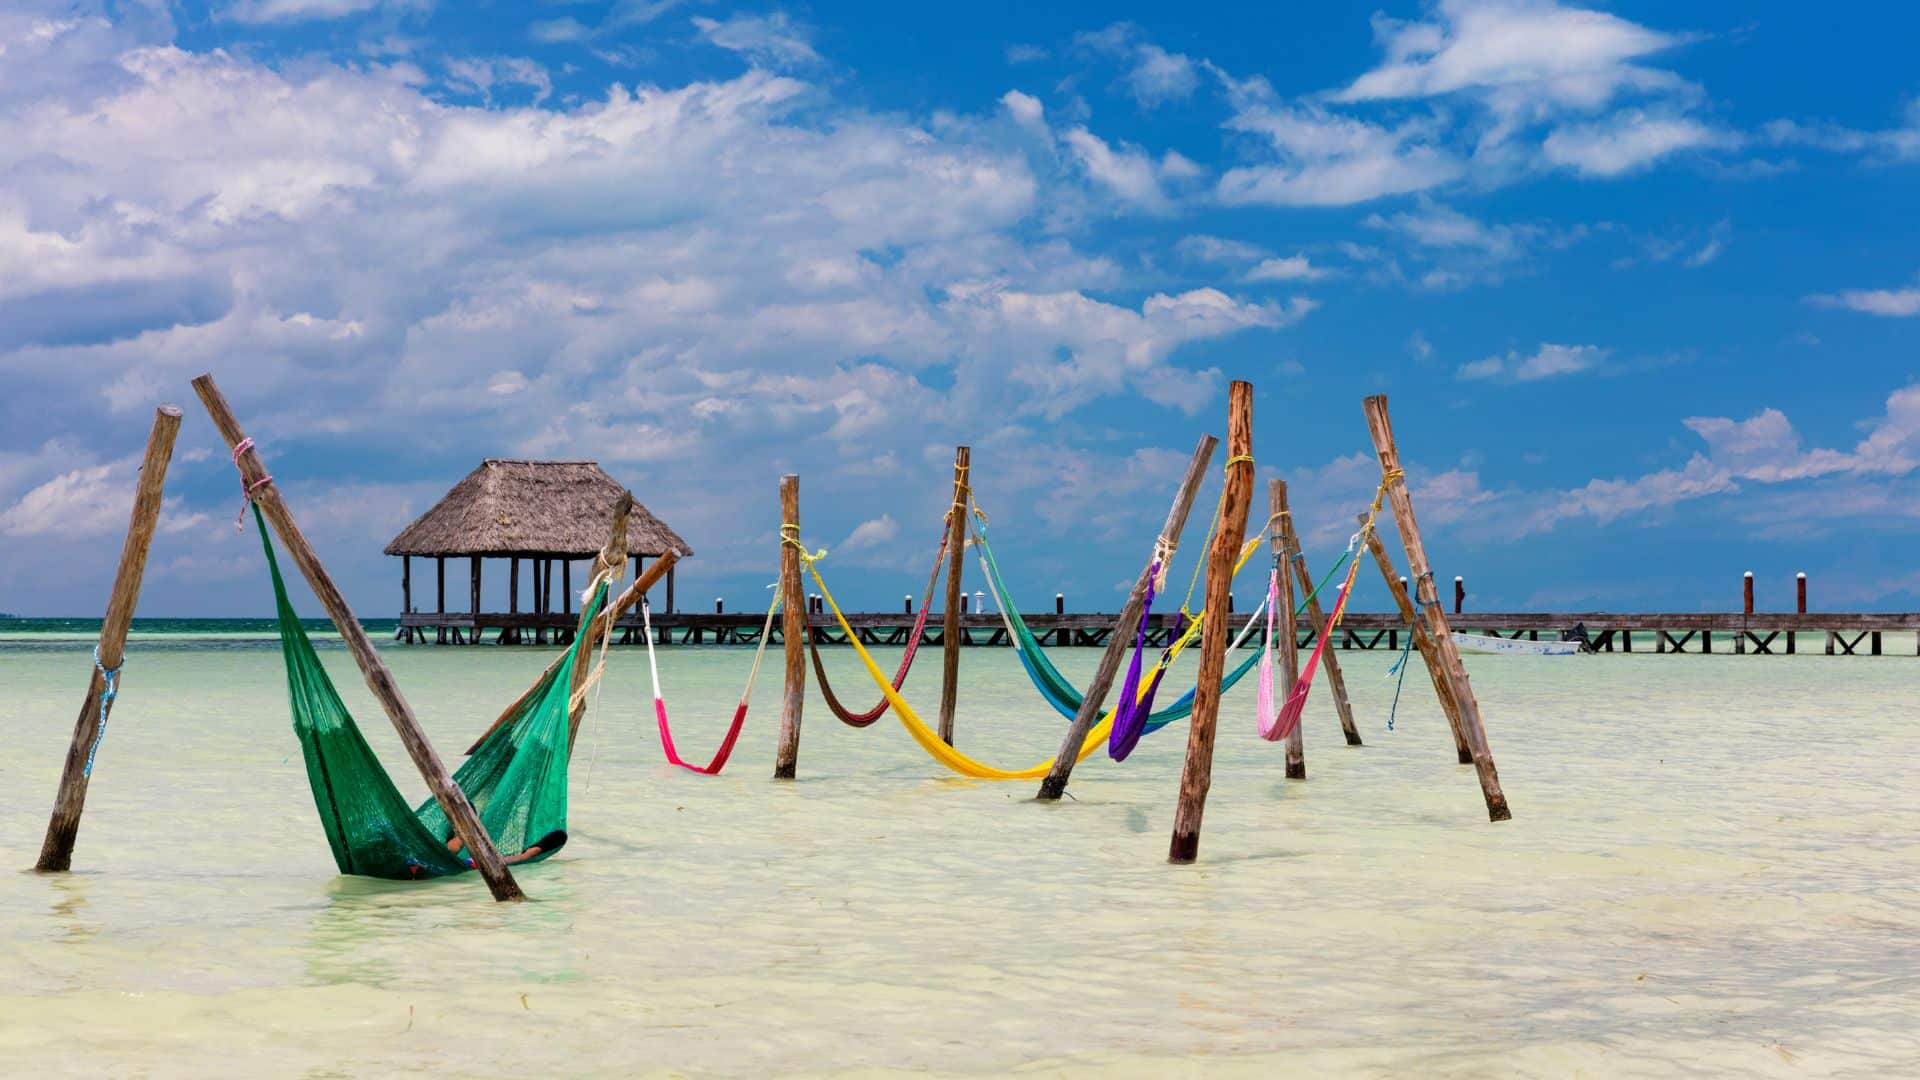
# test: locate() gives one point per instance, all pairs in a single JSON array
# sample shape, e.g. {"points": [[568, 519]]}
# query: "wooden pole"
{"points": [[473, 584], [1197, 774], [1282, 542], [956, 562], [602, 627], [1381, 430], [56, 851], [453, 801], [1799, 605], [1442, 688], [1055, 784], [1336, 681], [1459, 592], [612, 560], [1746, 593], [793, 630]]}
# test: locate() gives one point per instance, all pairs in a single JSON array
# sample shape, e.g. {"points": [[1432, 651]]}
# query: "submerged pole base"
{"points": [[1185, 848], [1353, 739], [1497, 810], [1051, 789], [784, 772]]}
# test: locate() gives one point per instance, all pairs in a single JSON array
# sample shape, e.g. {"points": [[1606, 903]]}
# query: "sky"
{"points": [[1642, 282]]}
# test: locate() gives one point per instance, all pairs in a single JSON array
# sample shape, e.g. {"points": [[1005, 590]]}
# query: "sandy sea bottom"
{"points": [[1712, 868]]}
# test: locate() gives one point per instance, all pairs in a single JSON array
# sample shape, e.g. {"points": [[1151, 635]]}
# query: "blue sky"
{"points": [[1642, 281]]}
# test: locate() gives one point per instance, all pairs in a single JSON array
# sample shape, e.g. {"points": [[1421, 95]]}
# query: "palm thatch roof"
{"points": [[546, 508]]}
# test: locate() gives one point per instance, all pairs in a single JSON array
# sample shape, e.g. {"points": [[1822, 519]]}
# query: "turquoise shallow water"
{"points": [[1712, 868]]}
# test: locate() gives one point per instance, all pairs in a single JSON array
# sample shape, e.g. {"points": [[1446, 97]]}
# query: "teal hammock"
{"points": [[516, 778], [1055, 688]]}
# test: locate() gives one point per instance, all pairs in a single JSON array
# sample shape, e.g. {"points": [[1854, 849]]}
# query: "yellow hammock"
{"points": [[930, 740]]}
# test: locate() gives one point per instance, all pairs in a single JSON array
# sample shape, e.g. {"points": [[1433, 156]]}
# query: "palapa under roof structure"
{"points": [[544, 509]]}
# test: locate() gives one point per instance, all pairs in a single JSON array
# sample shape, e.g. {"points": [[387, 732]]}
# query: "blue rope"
{"points": [[1400, 666], [107, 693]]}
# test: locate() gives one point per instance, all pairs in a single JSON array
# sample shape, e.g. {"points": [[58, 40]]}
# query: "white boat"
{"points": [[1482, 643]]}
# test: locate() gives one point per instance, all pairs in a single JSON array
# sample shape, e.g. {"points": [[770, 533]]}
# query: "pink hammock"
{"points": [[720, 756], [1287, 718]]}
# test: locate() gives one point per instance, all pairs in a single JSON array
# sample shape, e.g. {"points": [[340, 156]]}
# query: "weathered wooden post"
{"points": [[1799, 607], [1059, 603], [1197, 774], [1336, 682], [453, 801], [611, 561], [1459, 593], [1055, 784], [793, 630], [1381, 430], [1281, 538], [956, 563], [1442, 689], [56, 851], [1746, 608]]}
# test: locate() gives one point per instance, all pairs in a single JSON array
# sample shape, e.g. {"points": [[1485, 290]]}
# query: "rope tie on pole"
{"points": [[109, 689], [247, 490]]}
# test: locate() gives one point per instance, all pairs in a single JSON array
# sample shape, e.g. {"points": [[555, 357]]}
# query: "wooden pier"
{"points": [[1675, 633]]}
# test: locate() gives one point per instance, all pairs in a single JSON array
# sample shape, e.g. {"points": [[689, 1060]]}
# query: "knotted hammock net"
{"points": [[516, 778]]}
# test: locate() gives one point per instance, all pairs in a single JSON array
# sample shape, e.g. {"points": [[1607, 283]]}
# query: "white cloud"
{"points": [[871, 533], [1020, 53], [1546, 362], [1892, 303], [1290, 268], [1324, 159], [1204, 248], [1025, 109], [1128, 172], [773, 39], [1627, 142], [1568, 54], [276, 11], [1159, 76]]}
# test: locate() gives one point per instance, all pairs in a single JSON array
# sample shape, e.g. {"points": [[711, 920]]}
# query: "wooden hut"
{"points": [[542, 512]]}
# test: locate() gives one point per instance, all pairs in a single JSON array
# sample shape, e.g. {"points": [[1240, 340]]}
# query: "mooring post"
{"points": [[1059, 603], [1055, 784], [1442, 689], [1281, 539], [956, 600], [1799, 607], [793, 630], [1196, 775], [453, 801], [56, 851], [1425, 594], [1459, 593], [1336, 682]]}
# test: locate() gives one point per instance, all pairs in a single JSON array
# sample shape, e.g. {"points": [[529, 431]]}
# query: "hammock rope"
{"points": [[727, 742], [1287, 718], [928, 739], [866, 719]]}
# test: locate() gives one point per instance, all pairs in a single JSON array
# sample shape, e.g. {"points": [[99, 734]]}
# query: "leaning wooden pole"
{"points": [[1055, 784], [56, 851], [793, 630], [612, 561], [1336, 682], [1197, 774], [956, 561], [1442, 688], [1282, 540], [453, 801], [602, 626], [1427, 596]]}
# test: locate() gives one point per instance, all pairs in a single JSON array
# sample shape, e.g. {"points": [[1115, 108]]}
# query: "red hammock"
{"points": [[866, 719], [720, 756]]}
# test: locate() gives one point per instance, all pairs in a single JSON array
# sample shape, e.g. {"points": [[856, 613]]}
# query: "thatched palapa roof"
{"points": [[545, 508]]}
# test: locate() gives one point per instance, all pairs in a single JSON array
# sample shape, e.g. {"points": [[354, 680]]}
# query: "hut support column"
{"points": [[453, 801], [56, 850], [474, 631], [406, 593], [793, 630], [513, 600], [1442, 689], [1381, 430], [956, 561], [1055, 785], [1336, 682], [440, 598], [1197, 774], [1280, 537]]}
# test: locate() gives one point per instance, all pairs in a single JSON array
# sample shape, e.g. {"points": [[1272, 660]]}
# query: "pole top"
{"points": [[1749, 573], [1802, 575], [170, 410], [1457, 577]]}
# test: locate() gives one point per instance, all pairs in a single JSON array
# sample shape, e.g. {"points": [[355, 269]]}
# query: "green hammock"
{"points": [[516, 778]]}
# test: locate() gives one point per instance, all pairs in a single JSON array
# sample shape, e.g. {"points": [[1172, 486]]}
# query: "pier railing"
{"points": [[1758, 633]]}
